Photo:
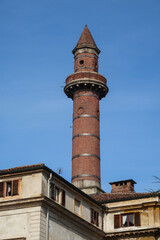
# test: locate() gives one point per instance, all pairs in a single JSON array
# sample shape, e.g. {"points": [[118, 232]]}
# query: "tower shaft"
{"points": [[86, 140]]}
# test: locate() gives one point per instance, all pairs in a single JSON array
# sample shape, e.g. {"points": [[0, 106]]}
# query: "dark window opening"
{"points": [[52, 186], [81, 62], [63, 198], [1, 189], [94, 217]]}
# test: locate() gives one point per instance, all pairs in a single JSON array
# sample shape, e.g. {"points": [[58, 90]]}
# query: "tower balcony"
{"points": [[86, 81]]}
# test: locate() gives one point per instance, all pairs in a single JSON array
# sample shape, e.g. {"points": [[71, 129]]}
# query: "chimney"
{"points": [[124, 186], [86, 87]]}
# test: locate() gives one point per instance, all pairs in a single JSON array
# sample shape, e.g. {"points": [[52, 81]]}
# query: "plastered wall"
{"points": [[20, 223]]}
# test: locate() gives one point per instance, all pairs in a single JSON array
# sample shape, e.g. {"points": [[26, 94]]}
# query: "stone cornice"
{"points": [[129, 233], [132, 206]]}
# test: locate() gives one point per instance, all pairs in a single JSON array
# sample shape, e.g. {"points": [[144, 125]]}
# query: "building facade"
{"points": [[38, 204]]}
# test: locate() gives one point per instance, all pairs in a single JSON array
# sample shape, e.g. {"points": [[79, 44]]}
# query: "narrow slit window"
{"points": [[94, 217], [8, 189], [63, 198], [56, 194]]}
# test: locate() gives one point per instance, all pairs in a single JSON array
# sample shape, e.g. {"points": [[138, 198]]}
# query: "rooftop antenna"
{"points": [[59, 171]]}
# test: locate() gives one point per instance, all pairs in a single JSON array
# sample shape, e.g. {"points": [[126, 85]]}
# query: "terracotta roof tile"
{"points": [[22, 168], [42, 166], [114, 197]]}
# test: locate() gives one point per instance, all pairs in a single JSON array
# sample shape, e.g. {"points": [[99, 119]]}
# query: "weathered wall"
{"points": [[61, 228], [70, 197], [31, 185], [148, 208], [19, 223]]}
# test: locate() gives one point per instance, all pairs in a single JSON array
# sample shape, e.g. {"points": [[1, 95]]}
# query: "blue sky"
{"points": [[36, 40]]}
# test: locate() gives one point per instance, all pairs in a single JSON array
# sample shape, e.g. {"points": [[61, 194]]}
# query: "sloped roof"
{"points": [[41, 166], [86, 40], [115, 197], [22, 169]]}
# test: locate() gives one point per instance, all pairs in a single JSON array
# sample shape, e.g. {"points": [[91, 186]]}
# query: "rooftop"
{"points": [[115, 197], [41, 166]]}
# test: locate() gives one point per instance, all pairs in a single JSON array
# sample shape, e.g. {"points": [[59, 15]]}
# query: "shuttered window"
{"points": [[137, 219], [1, 189], [57, 194], [127, 220], [9, 188], [15, 187], [117, 222], [94, 217]]}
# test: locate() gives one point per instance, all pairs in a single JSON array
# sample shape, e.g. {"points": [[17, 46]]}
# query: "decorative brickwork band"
{"points": [[86, 175], [80, 56], [85, 155], [86, 94], [85, 134], [86, 115]]}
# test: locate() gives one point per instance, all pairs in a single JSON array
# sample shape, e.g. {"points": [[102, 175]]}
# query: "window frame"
{"points": [[118, 220], [128, 223], [14, 185], [57, 194], [80, 207]]}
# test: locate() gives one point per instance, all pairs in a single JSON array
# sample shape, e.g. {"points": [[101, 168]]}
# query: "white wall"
{"points": [[20, 223]]}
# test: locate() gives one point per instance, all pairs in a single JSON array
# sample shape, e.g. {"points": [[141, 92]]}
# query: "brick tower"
{"points": [[86, 87]]}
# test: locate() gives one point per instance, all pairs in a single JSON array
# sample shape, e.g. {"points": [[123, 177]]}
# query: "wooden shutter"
{"points": [[117, 221], [1, 189], [97, 219], [92, 215], [15, 187], [57, 194], [52, 194], [137, 219], [63, 198]]}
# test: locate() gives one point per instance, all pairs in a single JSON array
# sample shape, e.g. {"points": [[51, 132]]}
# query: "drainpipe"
{"points": [[102, 220], [47, 216]]}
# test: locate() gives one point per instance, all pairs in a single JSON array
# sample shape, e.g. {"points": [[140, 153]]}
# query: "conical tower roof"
{"points": [[86, 40]]}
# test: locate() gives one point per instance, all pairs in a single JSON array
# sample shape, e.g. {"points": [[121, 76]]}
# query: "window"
{"points": [[52, 187], [127, 220], [9, 188], [57, 194], [63, 197], [77, 207], [94, 217]]}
